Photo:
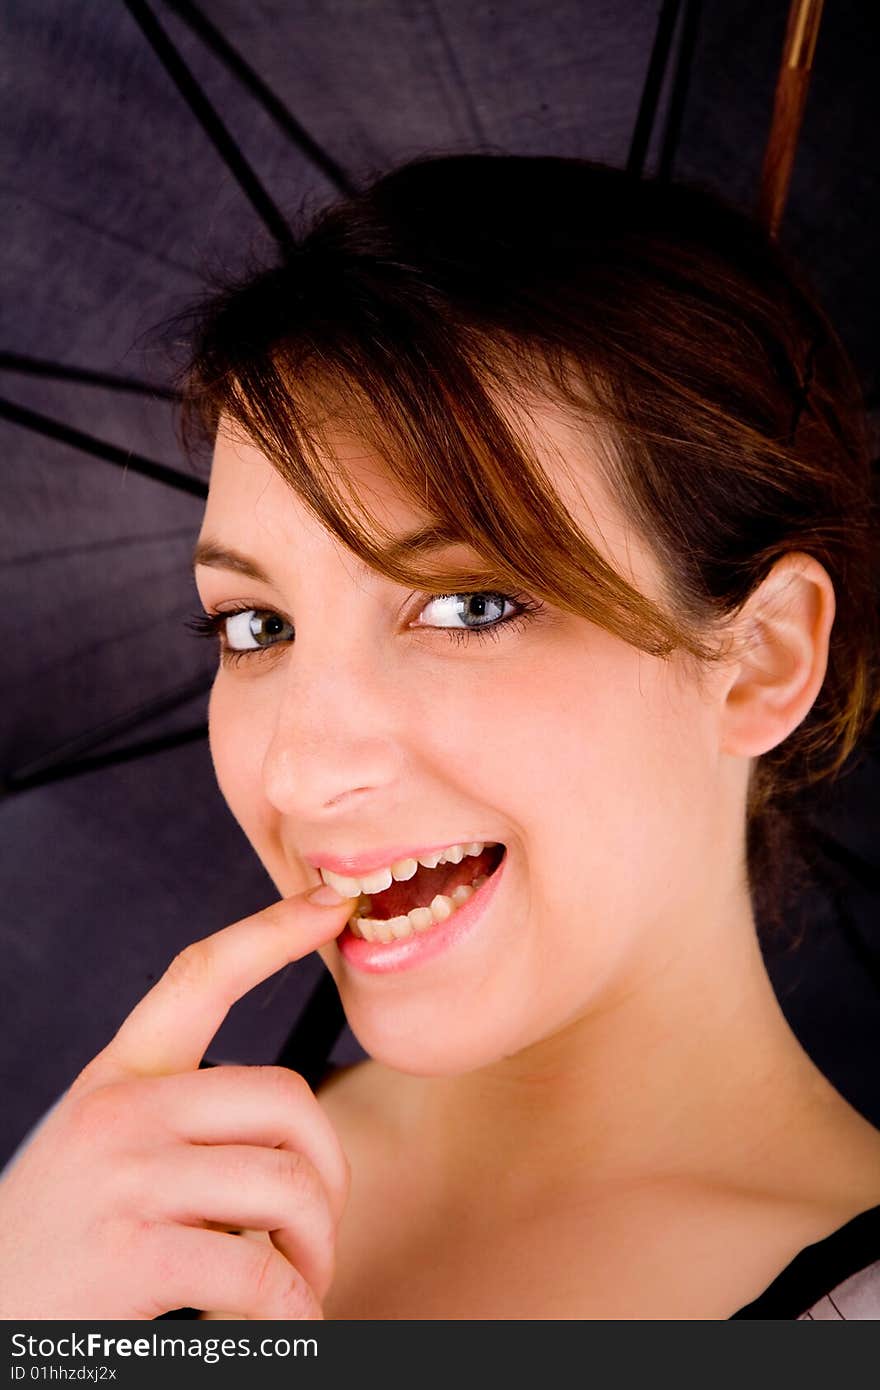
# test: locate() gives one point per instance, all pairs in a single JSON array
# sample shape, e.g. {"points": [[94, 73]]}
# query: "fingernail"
{"points": [[325, 896]]}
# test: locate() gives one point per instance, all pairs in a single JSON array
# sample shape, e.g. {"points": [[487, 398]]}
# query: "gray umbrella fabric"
{"points": [[148, 146]]}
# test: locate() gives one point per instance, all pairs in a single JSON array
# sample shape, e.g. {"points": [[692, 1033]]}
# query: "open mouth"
{"points": [[416, 904]]}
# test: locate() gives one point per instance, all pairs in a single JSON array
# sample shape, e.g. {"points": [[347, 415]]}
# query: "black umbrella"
{"points": [[152, 146]]}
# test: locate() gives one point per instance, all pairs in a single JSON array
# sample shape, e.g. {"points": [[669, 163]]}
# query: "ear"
{"points": [[782, 634]]}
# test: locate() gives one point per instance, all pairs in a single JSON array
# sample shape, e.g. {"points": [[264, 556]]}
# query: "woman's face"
{"points": [[597, 766]]}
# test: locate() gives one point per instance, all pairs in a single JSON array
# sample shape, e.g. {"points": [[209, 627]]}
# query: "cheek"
{"points": [[610, 766], [238, 736]]}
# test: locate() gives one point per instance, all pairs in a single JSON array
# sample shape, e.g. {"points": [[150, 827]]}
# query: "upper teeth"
{"points": [[380, 879]]}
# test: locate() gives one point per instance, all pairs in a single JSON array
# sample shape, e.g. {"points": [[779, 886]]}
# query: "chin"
{"points": [[402, 1037], [456, 1060]]}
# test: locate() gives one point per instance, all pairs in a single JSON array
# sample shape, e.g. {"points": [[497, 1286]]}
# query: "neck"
{"points": [[686, 1071]]}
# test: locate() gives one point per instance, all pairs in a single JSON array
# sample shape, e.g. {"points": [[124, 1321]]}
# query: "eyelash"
{"points": [[210, 625]]}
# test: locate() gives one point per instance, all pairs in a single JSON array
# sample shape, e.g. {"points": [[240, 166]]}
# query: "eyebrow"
{"points": [[421, 542], [211, 553]]}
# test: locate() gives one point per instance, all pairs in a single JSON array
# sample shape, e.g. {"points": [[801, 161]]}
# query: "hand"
{"points": [[107, 1212]]}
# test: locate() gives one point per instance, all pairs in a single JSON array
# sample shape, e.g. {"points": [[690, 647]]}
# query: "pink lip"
{"points": [[377, 958], [355, 864]]}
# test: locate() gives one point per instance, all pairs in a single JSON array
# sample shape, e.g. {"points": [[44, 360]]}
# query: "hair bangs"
{"points": [[423, 396]]}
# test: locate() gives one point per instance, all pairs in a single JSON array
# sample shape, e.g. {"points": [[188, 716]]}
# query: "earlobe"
{"points": [[783, 633]]}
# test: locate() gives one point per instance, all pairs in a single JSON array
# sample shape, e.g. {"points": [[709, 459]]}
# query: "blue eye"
{"points": [[480, 613], [241, 625], [247, 626]]}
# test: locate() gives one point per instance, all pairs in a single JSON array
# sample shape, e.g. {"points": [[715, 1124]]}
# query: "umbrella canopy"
{"points": [[152, 145]]}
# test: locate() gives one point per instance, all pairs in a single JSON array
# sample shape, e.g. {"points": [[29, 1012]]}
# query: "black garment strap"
{"points": [[818, 1269]]}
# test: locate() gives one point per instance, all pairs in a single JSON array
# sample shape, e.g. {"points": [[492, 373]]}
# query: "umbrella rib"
{"points": [[210, 121], [113, 639], [60, 371], [64, 771], [792, 85], [690, 25], [644, 125], [100, 448], [34, 557], [456, 70], [67, 215], [68, 754], [272, 104]]}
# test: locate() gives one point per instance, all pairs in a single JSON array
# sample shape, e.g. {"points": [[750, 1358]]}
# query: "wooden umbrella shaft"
{"points": [[788, 109]]}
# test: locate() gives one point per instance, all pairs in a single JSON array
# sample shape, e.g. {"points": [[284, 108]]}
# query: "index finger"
{"points": [[170, 1029]]}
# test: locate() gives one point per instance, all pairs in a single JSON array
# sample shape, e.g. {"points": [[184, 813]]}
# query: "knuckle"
{"points": [[264, 1273], [160, 1255], [239, 1166], [126, 1185], [296, 1171], [191, 968], [295, 1298], [299, 1303], [92, 1076], [126, 1240], [81, 1083], [295, 1090], [144, 1230], [137, 1253], [291, 1086], [96, 1114]]}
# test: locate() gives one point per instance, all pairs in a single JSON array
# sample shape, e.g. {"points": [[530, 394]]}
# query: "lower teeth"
{"points": [[418, 919]]}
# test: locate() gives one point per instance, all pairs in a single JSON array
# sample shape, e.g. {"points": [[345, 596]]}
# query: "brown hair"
{"points": [[726, 415]]}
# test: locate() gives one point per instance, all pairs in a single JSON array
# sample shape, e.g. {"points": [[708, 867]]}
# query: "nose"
{"points": [[335, 745]]}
